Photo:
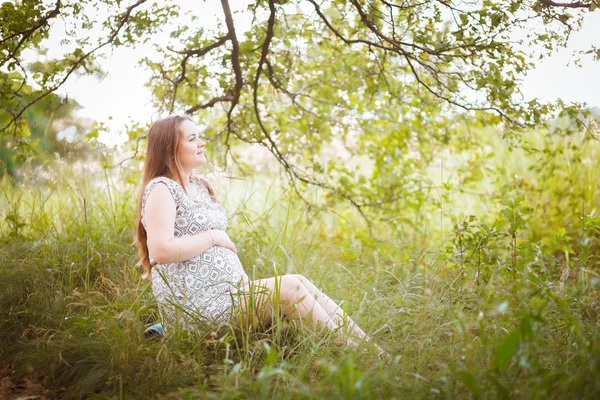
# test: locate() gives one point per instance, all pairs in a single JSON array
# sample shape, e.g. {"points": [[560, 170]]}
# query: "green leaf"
{"points": [[467, 378], [506, 350], [503, 391], [333, 14]]}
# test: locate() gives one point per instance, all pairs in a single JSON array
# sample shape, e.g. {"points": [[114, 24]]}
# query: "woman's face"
{"points": [[191, 147]]}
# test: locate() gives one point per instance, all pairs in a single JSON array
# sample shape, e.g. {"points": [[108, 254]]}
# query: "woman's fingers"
{"points": [[222, 239], [232, 247]]}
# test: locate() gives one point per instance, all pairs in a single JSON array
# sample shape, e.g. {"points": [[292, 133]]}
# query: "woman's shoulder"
{"points": [[163, 179], [158, 197], [172, 186], [170, 183]]}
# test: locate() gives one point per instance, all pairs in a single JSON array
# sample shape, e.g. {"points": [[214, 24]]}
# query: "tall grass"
{"points": [[482, 308]]}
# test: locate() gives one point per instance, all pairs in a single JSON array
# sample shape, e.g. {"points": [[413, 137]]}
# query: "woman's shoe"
{"points": [[154, 330]]}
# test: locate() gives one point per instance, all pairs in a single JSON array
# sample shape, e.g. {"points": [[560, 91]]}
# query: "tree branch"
{"points": [[192, 53], [211, 103], [122, 21], [404, 6], [26, 34], [263, 59], [410, 58], [204, 50], [340, 36], [37, 26], [235, 61], [291, 95], [577, 4]]}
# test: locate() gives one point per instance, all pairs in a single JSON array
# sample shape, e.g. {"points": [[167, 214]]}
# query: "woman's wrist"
{"points": [[212, 239]]}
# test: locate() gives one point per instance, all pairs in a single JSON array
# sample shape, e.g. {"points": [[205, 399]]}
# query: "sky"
{"points": [[120, 96], [556, 77]]}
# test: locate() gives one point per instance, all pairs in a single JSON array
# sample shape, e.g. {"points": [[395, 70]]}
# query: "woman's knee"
{"points": [[307, 284], [300, 278], [291, 288], [290, 283]]}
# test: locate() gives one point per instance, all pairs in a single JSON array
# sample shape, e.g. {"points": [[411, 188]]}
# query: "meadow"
{"points": [[487, 288]]}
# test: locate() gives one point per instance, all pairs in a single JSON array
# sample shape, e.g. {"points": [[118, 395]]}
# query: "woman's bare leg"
{"points": [[334, 311], [300, 298], [259, 297]]}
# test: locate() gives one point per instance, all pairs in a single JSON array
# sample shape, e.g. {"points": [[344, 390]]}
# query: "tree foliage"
{"points": [[48, 128], [391, 80]]}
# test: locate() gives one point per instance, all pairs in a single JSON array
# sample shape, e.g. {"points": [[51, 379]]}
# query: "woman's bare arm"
{"points": [[163, 246]]}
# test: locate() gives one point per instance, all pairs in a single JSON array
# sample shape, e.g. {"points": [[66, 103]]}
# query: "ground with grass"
{"points": [[499, 298]]}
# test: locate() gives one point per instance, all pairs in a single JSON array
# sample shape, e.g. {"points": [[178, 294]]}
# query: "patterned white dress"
{"points": [[201, 288]]}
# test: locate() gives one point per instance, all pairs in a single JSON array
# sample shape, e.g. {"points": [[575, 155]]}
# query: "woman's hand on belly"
{"points": [[221, 238]]}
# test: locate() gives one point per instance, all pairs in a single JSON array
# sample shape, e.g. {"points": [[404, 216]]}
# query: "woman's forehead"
{"points": [[189, 128]]}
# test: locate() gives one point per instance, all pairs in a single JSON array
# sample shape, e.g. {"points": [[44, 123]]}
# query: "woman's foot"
{"points": [[353, 342], [381, 352]]}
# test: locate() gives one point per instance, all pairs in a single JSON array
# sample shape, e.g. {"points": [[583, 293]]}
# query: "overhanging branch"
{"points": [[235, 61], [123, 19], [208, 104], [576, 4], [27, 33], [188, 54]]}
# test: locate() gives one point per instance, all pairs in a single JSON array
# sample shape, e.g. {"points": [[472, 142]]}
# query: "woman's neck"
{"points": [[186, 176]]}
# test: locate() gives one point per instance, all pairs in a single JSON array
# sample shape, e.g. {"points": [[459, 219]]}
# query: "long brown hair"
{"points": [[164, 137]]}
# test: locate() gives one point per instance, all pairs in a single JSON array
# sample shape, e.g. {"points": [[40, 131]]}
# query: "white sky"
{"points": [[553, 78], [121, 94]]}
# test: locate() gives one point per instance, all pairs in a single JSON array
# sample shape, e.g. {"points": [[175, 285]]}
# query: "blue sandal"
{"points": [[154, 330]]}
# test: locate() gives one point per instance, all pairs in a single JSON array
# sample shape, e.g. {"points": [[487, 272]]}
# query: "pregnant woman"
{"points": [[196, 273]]}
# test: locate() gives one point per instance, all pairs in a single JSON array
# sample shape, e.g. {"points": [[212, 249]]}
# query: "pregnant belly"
{"points": [[218, 265]]}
